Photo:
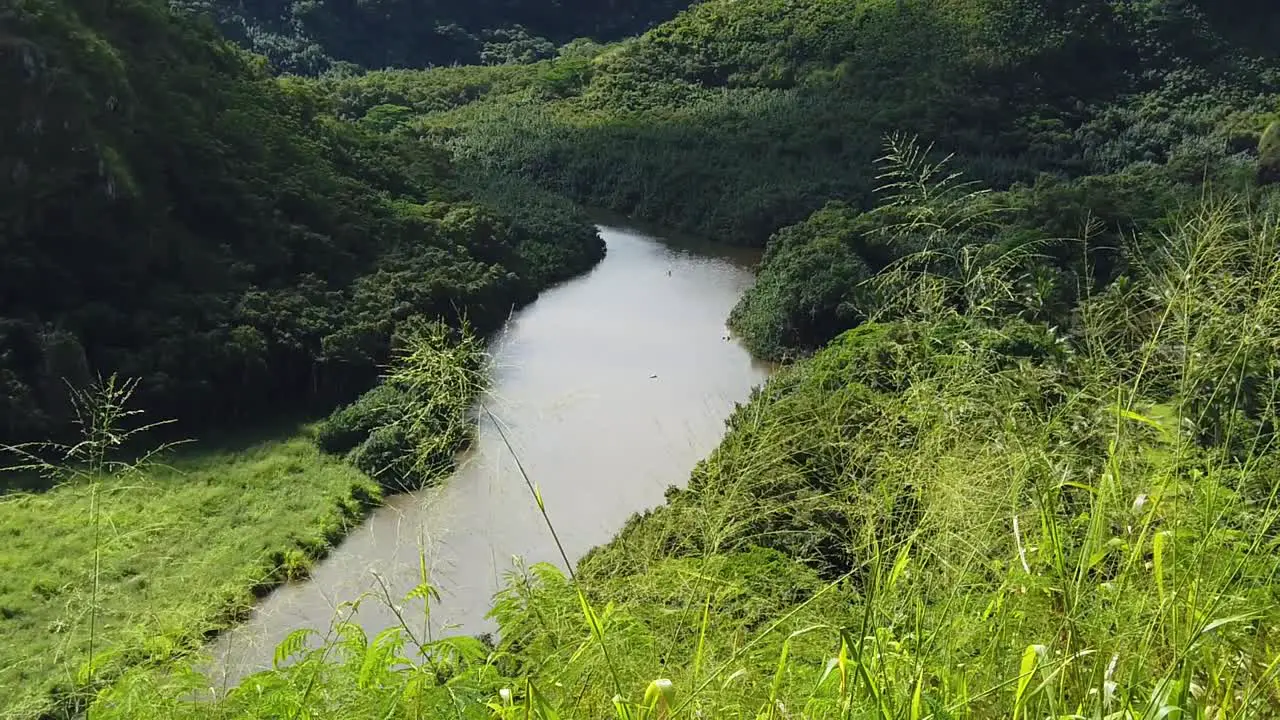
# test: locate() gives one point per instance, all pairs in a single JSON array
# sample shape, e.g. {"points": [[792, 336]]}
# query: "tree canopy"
{"points": [[315, 36], [171, 211]]}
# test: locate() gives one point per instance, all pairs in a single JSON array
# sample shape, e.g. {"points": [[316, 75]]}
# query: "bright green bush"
{"points": [[887, 357], [384, 456], [405, 432]]}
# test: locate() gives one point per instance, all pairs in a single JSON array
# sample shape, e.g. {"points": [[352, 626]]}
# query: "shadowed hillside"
{"points": [[171, 212]]}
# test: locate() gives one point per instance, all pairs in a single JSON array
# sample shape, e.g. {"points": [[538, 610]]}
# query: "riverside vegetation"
{"points": [[172, 213], [1023, 464]]}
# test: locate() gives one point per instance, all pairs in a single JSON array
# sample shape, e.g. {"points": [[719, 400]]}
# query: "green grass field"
{"points": [[183, 548]]}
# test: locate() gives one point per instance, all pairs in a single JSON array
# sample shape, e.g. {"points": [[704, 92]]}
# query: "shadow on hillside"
{"points": [[732, 144], [736, 163], [182, 451], [741, 164]]}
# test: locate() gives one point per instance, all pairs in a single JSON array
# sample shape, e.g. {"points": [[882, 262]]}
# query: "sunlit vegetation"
{"points": [[136, 557], [1021, 463]]}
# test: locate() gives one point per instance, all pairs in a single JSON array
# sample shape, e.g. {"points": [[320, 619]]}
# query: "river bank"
{"points": [[224, 528], [610, 387], [142, 566], [184, 549]]}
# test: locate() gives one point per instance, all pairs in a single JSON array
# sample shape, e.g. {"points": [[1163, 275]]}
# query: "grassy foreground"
{"points": [[183, 547], [949, 512], [131, 561]]}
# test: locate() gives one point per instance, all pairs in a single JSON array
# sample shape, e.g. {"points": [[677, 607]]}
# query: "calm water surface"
{"points": [[610, 387]]}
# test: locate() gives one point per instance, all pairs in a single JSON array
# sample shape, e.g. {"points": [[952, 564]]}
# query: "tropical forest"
{"points": [[665, 360]]}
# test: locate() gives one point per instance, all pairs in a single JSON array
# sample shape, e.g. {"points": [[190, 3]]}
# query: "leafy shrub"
{"points": [[349, 426], [1269, 155], [566, 77], [405, 432], [887, 357], [808, 288], [385, 455]]}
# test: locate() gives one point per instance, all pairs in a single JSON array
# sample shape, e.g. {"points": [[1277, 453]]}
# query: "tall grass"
{"points": [[945, 532], [950, 512], [1087, 539], [134, 555], [107, 427]]}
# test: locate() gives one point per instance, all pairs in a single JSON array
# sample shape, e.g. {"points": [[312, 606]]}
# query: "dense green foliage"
{"points": [[809, 283], [169, 211], [309, 37], [1269, 154], [406, 431], [742, 116], [1026, 464], [1029, 251]]}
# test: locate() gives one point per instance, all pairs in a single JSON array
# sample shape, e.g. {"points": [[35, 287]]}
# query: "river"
{"points": [[610, 388]]}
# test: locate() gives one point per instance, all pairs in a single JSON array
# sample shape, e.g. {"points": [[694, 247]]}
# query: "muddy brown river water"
{"points": [[610, 387]]}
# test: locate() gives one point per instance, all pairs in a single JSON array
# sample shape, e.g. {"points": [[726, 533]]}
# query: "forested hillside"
{"points": [[310, 37], [1022, 260], [737, 119], [740, 117], [170, 211], [954, 511]]}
